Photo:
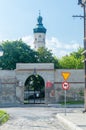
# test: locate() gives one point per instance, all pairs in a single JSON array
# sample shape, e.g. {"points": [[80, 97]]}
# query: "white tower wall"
{"points": [[39, 40]]}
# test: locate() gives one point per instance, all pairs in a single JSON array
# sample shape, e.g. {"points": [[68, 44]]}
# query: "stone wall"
{"points": [[7, 87], [12, 83], [76, 83]]}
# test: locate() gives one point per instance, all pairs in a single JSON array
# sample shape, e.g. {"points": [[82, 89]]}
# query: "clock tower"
{"points": [[39, 33]]}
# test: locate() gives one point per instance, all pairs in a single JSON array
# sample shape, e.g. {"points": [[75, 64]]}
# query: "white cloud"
{"points": [[58, 48], [61, 49], [29, 40]]}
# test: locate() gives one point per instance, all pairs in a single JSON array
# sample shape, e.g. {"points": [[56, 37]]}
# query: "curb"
{"points": [[70, 125]]}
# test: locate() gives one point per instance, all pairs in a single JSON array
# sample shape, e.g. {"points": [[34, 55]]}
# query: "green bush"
{"points": [[3, 117]]}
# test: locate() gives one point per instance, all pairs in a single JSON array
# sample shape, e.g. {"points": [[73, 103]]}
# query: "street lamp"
{"points": [[83, 4]]}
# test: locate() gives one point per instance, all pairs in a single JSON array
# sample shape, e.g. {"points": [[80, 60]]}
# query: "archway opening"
{"points": [[34, 90]]}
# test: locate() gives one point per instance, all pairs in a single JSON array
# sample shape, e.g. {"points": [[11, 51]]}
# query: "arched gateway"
{"points": [[32, 79]]}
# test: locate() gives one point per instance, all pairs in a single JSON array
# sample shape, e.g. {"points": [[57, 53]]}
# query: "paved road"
{"points": [[32, 118]]}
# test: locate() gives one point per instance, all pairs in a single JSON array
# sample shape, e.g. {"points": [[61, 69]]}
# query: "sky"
{"points": [[64, 33]]}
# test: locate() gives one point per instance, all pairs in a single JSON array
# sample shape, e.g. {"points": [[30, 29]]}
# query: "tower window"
{"points": [[39, 35]]}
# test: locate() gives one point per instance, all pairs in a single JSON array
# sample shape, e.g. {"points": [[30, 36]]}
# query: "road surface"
{"points": [[32, 118]]}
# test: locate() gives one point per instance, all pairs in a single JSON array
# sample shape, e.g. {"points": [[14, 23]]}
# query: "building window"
{"points": [[39, 35], [43, 39]]}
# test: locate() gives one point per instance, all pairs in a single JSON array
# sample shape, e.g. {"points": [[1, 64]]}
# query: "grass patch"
{"points": [[3, 117], [26, 101], [73, 102]]}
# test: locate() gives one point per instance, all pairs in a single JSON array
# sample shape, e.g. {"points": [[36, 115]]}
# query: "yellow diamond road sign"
{"points": [[65, 75]]}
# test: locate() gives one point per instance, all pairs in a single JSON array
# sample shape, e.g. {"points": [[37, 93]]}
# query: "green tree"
{"points": [[72, 61], [46, 56], [16, 52]]}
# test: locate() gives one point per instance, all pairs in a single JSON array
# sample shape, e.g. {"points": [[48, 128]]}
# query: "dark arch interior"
{"points": [[34, 90]]}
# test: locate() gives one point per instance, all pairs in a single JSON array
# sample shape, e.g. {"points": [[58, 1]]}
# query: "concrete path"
{"points": [[75, 120], [33, 118]]}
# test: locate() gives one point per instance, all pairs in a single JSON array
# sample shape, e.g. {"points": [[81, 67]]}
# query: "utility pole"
{"points": [[83, 4]]}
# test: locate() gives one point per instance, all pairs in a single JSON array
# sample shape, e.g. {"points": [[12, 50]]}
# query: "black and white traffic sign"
{"points": [[65, 85]]}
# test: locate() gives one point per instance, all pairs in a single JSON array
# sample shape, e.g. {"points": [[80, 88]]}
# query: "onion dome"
{"points": [[39, 26]]}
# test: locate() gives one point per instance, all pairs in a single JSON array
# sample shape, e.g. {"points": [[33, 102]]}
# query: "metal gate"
{"points": [[34, 90]]}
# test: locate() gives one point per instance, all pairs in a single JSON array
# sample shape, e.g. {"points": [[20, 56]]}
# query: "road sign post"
{"points": [[65, 87], [65, 102]]}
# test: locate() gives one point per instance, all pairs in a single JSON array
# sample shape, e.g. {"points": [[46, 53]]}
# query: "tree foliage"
{"points": [[19, 52], [34, 82], [46, 56], [16, 52], [72, 61]]}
